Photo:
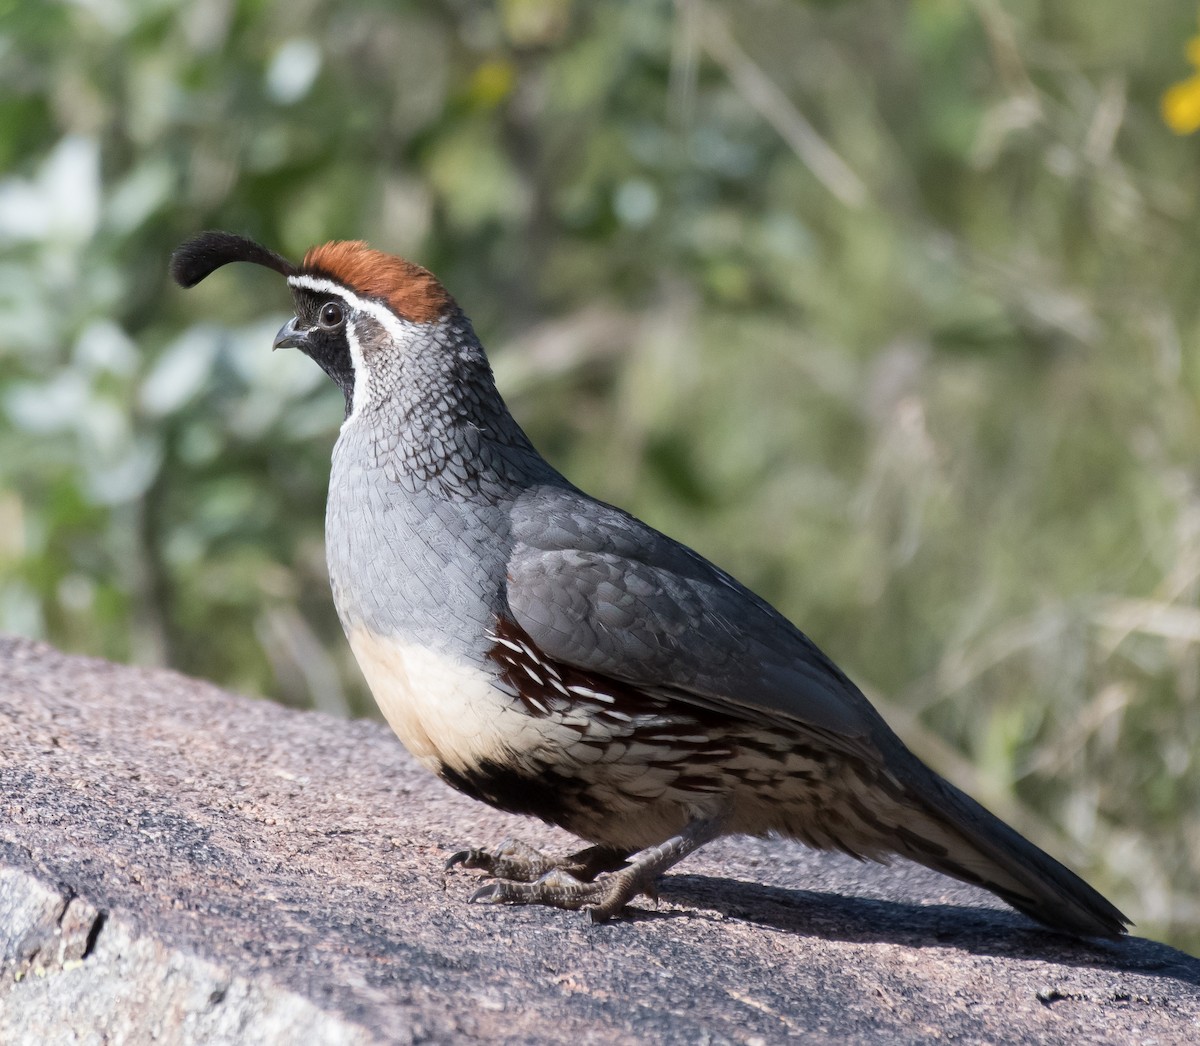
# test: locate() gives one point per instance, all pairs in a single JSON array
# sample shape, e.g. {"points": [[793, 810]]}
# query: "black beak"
{"points": [[291, 335]]}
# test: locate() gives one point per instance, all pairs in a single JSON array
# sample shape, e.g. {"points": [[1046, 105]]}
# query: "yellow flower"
{"points": [[492, 83], [1181, 101], [1181, 105]]}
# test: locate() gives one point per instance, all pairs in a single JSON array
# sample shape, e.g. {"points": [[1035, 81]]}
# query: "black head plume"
{"points": [[203, 254]]}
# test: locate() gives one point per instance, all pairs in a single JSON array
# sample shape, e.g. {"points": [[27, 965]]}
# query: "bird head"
{"points": [[358, 311]]}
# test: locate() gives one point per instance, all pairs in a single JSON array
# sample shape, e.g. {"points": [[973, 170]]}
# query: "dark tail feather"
{"points": [[955, 835]]}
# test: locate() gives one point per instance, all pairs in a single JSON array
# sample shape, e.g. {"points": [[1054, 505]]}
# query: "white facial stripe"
{"points": [[313, 283], [379, 313], [362, 374]]}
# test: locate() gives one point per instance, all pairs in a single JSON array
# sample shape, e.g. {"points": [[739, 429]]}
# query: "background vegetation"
{"points": [[891, 308]]}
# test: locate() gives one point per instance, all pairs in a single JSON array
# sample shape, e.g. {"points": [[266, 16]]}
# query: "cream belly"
{"points": [[446, 711]]}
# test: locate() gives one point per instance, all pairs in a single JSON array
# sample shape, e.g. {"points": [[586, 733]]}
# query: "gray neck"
{"points": [[424, 475], [431, 416]]}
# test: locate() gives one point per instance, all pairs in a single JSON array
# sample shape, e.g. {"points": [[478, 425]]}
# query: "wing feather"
{"points": [[597, 589]]}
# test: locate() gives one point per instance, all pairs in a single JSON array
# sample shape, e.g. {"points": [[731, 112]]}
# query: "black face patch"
{"points": [[327, 346]]}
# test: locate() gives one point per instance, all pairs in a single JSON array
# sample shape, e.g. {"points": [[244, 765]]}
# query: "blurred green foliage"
{"points": [[890, 308]]}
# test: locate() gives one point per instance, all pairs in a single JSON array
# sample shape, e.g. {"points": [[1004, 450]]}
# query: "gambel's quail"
{"points": [[552, 655]]}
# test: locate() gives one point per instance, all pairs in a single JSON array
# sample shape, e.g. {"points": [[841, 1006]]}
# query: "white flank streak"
{"points": [[583, 691], [533, 675], [595, 695]]}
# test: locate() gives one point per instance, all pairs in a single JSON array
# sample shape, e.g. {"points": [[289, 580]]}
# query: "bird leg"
{"points": [[520, 862], [608, 894]]}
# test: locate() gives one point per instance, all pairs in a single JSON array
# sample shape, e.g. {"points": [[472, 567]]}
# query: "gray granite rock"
{"points": [[182, 865]]}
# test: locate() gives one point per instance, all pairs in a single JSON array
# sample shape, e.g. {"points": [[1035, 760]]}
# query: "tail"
{"points": [[955, 835]]}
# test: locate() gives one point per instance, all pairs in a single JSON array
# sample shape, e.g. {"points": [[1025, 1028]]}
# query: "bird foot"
{"points": [[511, 859], [602, 879], [519, 862], [604, 897]]}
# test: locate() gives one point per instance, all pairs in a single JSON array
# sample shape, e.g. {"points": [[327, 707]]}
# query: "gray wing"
{"points": [[597, 589]]}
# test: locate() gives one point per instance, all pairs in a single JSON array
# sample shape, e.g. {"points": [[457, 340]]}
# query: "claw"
{"points": [[467, 858], [485, 895]]}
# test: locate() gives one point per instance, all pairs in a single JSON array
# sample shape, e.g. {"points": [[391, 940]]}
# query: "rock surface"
{"points": [[180, 864]]}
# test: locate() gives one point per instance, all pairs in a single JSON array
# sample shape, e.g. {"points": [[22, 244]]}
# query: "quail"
{"points": [[552, 655]]}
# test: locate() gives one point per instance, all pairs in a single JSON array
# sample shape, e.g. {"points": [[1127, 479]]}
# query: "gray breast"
{"points": [[413, 561]]}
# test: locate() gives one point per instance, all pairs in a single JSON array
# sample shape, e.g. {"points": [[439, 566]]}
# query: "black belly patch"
{"points": [[542, 795]]}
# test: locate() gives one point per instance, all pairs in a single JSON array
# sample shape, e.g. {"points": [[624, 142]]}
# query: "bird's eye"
{"points": [[331, 315]]}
